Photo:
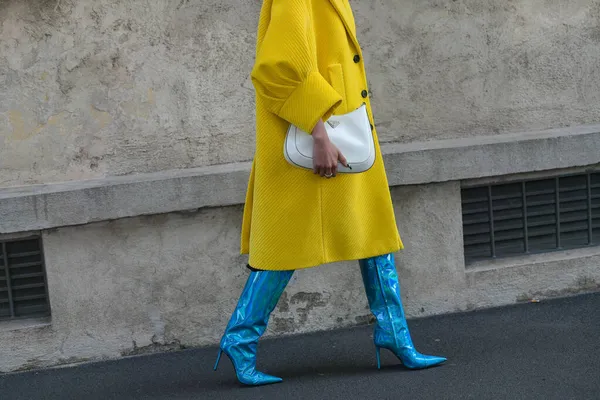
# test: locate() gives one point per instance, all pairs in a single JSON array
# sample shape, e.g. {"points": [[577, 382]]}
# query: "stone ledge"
{"points": [[28, 323], [480, 157], [37, 207]]}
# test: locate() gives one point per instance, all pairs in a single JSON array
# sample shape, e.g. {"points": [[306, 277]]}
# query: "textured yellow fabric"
{"points": [[309, 66]]}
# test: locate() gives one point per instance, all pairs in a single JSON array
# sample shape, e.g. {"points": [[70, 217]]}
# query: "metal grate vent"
{"points": [[23, 291], [531, 216]]}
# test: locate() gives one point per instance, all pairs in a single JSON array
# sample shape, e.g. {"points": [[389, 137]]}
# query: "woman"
{"points": [[308, 67]]}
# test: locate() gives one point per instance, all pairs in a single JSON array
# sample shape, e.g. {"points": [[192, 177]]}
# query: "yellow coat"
{"points": [[309, 66]]}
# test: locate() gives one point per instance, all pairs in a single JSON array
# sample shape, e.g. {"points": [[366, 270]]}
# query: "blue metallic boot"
{"points": [[391, 331], [248, 323]]}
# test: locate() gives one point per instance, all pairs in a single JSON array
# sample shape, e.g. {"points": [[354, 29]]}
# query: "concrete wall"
{"points": [[94, 88], [165, 281], [169, 281], [113, 89], [468, 67]]}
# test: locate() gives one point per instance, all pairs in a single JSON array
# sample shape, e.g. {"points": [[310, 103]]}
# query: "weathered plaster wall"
{"points": [[101, 87], [116, 87], [161, 282], [464, 67], [127, 286]]}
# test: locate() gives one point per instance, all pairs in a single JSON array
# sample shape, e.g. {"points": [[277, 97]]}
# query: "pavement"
{"points": [[545, 350]]}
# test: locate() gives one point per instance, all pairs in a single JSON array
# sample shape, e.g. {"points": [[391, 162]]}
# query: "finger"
{"points": [[342, 159], [334, 169], [316, 167], [328, 171], [322, 171]]}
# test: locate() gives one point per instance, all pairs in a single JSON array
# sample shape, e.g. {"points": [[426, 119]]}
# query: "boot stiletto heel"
{"points": [[218, 359]]}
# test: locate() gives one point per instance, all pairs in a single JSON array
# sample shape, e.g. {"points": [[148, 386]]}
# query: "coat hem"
{"points": [[399, 246]]}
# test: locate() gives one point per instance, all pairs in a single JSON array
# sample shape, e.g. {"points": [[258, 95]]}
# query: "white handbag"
{"points": [[351, 133]]}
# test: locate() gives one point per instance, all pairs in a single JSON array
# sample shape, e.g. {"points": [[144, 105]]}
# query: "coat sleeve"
{"points": [[285, 74]]}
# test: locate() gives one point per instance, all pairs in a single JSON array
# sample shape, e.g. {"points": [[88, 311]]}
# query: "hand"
{"points": [[325, 155]]}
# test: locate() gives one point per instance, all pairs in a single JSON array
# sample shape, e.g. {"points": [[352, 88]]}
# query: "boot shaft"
{"points": [[256, 303], [383, 293]]}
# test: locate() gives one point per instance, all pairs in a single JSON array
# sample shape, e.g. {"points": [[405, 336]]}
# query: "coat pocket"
{"points": [[336, 77]]}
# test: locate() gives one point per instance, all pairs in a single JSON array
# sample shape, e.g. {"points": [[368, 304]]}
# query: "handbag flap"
{"points": [[350, 133]]}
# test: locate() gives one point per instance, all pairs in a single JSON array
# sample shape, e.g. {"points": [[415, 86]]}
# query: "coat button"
{"points": [[357, 58], [364, 94]]}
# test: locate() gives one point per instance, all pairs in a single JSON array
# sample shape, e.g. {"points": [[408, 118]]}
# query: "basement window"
{"points": [[23, 287], [533, 216]]}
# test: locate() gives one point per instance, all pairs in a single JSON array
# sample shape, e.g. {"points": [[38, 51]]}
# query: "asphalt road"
{"points": [[546, 350]]}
